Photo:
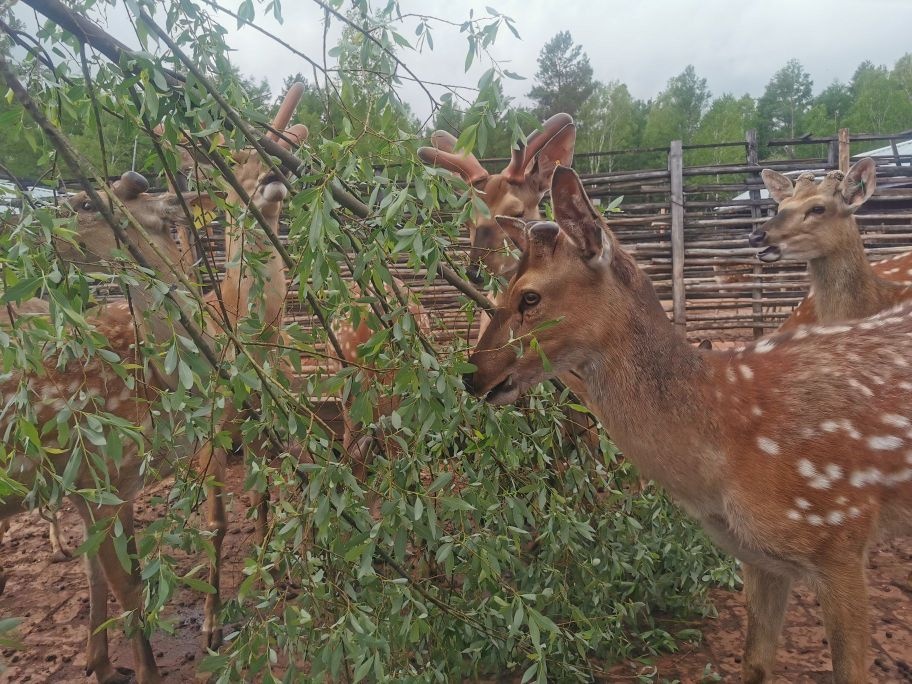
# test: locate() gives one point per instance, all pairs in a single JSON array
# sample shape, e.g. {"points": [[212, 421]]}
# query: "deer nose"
{"points": [[468, 381], [757, 238], [473, 270]]}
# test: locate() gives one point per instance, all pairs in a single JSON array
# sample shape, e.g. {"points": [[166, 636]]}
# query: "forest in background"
{"points": [[875, 99]]}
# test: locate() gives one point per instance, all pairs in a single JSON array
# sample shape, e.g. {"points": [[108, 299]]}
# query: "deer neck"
{"points": [[649, 388], [844, 284], [241, 277]]}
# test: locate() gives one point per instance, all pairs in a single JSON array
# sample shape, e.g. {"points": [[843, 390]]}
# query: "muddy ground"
{"points": [[52, 598]]}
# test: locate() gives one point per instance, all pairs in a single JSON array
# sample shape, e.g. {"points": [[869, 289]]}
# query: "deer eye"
{"points": [[818, 209], [530, 299], [88, 206]]}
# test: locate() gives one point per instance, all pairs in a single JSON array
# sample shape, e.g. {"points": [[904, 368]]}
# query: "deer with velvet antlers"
{"points": [[794, 454], [816, 223], [514, 192]]}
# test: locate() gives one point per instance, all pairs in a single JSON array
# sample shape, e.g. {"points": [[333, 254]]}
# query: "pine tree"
{"points": [[564, 77]]}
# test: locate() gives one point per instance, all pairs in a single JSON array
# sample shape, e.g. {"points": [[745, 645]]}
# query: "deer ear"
{"points": [[575, 213], [557, 151], [859, 183], [779, 186], [130, 185], [515, 228]]}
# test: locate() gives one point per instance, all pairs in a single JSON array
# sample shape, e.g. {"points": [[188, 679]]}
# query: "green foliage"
{"points": [[676, 112], [784, 105], [564, 77], [609, 120]]}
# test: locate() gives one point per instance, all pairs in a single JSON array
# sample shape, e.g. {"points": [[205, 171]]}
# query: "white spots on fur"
{"points": [[792, 514], [885, 442], [802, 503], [112, 404], [746, 372], [895, 420], [815, 520], [892, 271], [835, 517], [842, 501], [864, 389], [768, 446], [806, 468], [817, 479], [874, 476], [730, 375], [865, 477], [833, 471], [832, 329], [854, 512], [756, 411], [904, 385], [764, 346], [800, 334]]}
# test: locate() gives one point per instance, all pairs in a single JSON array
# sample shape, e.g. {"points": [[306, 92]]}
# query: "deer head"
{"points": [[265, 187], [814, 219], [514, 192], [96, 242], [563, 264]]}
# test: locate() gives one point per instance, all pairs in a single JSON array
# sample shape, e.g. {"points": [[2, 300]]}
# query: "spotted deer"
{"points": [[816, 223], [794, 453], [254, 287], [89, 384]]}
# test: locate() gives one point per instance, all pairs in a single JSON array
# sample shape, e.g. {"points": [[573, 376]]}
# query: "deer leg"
{"points": [[844, 599], [214, 465], [766, 595], [127, 589], [59, 553]]}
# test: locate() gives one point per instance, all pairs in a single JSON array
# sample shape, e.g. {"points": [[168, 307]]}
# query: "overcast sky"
{"points": [[735, 44]]}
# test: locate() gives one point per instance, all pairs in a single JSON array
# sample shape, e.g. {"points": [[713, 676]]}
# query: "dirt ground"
{"points": [[52, 598]]}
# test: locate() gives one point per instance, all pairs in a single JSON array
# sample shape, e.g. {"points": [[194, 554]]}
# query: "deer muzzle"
{"points": [[769, 253]]}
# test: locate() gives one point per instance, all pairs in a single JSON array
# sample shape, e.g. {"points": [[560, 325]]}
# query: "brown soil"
{"points": [[52, 599]]}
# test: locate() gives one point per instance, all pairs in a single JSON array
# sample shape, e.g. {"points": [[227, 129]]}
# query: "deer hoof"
{"points": [[61, 556], [115, 675], [213, 640]]}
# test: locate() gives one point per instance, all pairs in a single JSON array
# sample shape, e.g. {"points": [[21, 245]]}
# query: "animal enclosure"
{"points": [[687, 225]]}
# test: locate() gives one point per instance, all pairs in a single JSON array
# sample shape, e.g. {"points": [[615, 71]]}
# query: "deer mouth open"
{"points": [[504, 392], [769, 254]]}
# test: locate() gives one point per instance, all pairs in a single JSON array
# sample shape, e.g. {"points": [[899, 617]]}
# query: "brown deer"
{"points": [[90, 384], [794, 453], [816, 223], [515, 192], [267, 192]]}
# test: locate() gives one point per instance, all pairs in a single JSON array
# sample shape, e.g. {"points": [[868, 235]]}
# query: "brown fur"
{"points": [[794, 453]]}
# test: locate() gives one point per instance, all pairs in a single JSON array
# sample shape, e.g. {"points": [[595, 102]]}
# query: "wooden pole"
{"points": [[844, 149], [676, 172], [753, 159]]}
